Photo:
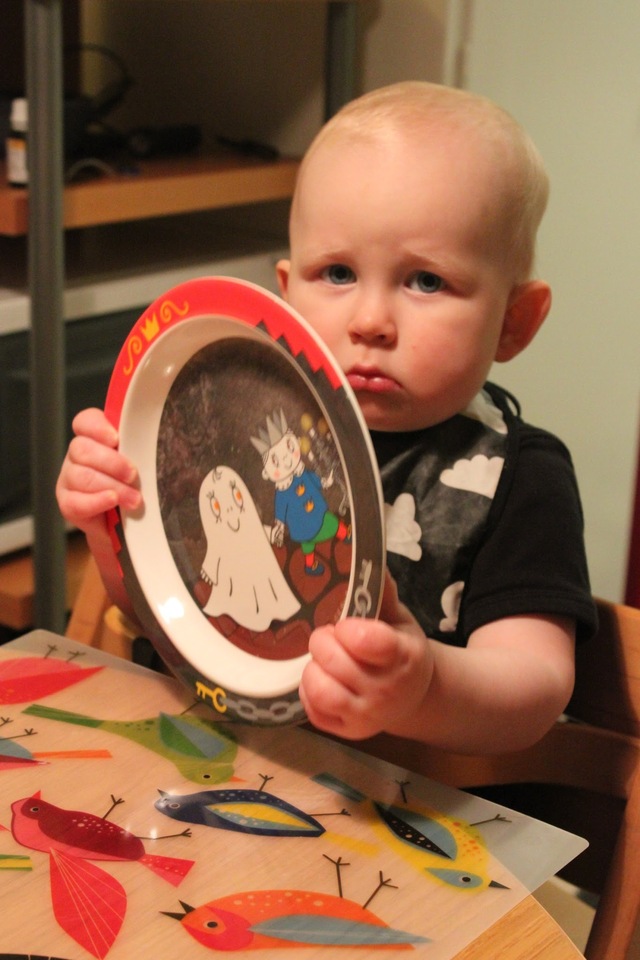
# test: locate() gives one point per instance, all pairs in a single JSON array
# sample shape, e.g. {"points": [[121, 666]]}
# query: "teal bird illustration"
{"points": [[197, 747]]}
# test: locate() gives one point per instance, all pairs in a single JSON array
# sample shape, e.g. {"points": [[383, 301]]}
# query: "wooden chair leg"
{"points": [[87, 617], [617, 919]]}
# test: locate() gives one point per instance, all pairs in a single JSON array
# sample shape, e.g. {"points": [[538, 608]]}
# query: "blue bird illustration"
{"points": [[245, 811], [15, 756]]}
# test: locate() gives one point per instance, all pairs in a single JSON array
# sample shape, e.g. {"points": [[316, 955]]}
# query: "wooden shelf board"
{"points": [[158, 188]]}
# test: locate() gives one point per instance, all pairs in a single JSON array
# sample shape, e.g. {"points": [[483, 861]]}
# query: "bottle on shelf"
{"points": [[16, 145]]}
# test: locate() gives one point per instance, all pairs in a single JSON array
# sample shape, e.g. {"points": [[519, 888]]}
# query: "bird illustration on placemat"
{"points": [[197, 747], [26, 956], [31, 678], [258, 919], [448, 848], [244, 811], [444, 846], [15, 756], [88, 903]]}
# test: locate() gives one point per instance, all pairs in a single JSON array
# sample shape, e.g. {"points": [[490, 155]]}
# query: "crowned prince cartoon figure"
{"points": [[300, 505]]}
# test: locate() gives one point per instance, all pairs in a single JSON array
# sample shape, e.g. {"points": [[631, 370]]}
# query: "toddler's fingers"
{"points": [[333, 658], [372, 644], [92, 455], [324, 700], [86, 495], [77, 508], [93, 423]]}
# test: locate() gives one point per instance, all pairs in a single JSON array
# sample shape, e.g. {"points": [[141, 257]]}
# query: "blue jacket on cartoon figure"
{"points": [[302, 506]]}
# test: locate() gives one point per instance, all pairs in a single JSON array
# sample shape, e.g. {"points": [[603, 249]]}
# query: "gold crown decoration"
{"points": [[150, 329]]}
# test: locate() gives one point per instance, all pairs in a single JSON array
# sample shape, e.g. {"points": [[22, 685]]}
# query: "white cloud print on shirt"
{"points": [[478, 475], [402, 530]]}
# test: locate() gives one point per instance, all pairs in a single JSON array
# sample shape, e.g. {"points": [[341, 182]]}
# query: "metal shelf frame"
{"points": [[44, 88]]}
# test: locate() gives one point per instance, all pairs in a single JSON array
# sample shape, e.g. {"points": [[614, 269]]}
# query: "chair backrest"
{"points": [[607, 690], [583, 776]]}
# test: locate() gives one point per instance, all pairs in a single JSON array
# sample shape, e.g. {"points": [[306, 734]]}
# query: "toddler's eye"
{"points": [[426, 282], [338, 273]]}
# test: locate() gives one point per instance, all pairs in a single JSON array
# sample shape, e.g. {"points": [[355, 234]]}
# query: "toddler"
{"points": [[412, 238]]}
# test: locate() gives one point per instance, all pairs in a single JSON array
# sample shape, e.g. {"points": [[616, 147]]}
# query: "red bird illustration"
{"points": [[31, 678], [42, 826], [88, 903]]}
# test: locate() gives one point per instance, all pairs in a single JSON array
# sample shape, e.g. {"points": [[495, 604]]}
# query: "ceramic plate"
{"points": [[263, 514]]}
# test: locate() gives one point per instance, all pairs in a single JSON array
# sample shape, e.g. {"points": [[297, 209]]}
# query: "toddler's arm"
{"points": [[502, 692], [94, 478]]}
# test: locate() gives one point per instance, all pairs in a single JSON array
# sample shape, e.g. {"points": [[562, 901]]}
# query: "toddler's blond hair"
{"points": [[414, 106]]}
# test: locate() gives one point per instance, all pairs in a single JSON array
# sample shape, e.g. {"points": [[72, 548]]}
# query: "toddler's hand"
{"points": [[94, 476], [366, 676]]}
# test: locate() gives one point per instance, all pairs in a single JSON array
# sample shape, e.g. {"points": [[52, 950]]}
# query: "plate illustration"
{"points": [[263, 514]]}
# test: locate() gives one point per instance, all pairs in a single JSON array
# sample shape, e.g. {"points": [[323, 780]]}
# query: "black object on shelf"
{"points": [[168, 141]]}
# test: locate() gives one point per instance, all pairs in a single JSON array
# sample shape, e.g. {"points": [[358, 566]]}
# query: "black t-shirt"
{"points": [[484, 521]]}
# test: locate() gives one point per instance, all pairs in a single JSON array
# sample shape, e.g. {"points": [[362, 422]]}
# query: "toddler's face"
{"points": [[397, 261]]}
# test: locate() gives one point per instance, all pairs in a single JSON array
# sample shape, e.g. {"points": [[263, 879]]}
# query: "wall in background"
{"points": [[570, 72]]}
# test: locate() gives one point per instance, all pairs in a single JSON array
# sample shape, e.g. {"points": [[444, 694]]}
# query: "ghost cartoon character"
{"points": [[246, 581]]}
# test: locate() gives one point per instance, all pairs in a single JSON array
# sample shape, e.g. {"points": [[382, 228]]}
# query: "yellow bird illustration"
{"points": [[447, 848]]}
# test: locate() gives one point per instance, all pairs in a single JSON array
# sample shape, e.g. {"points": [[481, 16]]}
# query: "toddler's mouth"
{"points": [[370, 380]]}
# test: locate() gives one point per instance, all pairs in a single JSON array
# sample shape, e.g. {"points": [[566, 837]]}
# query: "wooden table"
{"points": [[274, 816], [526, 933]]}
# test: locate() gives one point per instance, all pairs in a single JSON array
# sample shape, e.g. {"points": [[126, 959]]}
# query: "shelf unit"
{"points": [[158, 188], [49, 209]]}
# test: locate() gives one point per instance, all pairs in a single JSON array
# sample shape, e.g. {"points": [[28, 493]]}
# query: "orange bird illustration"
{"points": [[259, 919]]}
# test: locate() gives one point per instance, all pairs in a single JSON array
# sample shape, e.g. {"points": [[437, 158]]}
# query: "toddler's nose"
{"points": [[373, 320]]}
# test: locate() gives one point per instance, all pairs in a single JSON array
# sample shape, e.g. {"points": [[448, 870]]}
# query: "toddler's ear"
{"points": [[526, 311], [282, 273]]}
